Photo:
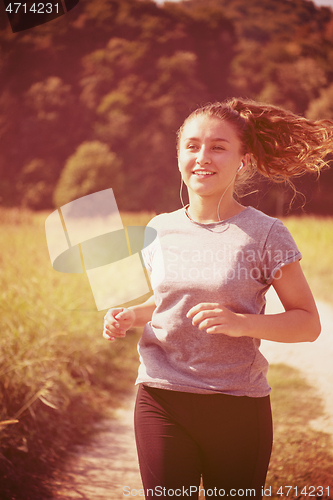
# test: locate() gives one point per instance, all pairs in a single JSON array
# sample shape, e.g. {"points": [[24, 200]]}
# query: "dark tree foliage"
{"points": [[125, 73]]}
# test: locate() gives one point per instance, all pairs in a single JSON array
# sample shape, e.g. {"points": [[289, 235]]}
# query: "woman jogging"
{"points": [[203, 407]]}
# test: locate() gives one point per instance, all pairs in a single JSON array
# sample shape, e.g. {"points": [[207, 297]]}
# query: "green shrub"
{"points": [[91, 168]]}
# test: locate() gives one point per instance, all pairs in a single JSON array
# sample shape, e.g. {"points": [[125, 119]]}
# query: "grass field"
{"points": [[58, 375], [314, 237]]}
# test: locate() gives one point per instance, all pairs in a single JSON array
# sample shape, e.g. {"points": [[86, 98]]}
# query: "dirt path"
{"points": [[107, 468], [101, 470]]}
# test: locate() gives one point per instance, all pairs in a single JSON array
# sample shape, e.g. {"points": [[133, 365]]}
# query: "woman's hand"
{"points": [[117, 321], [215, 318]]}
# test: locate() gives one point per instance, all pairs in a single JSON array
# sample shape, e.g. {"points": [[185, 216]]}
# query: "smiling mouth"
{"points": [[203, 173]]}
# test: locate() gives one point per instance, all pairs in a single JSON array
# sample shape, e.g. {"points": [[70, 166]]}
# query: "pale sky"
{"points": [[328, 3]]}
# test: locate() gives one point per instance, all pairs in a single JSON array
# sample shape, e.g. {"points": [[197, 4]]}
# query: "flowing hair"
{"points": [[281, 145]]}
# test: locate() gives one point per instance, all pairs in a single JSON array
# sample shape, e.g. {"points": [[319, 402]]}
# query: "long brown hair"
{"points": [[281, 144]]}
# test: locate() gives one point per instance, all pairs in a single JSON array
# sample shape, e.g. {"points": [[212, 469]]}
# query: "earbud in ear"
{"points": [[240, 167]]}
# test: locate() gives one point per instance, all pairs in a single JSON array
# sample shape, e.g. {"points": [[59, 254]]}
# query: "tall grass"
{"points": [[57, 374]]}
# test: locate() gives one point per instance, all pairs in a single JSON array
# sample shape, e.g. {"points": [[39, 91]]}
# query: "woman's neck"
{"points": [[204, 210]]}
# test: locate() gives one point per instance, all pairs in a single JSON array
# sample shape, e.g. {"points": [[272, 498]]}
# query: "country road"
{"points": [[107, 468]]}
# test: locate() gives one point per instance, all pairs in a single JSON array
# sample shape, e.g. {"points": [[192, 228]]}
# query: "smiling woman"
{"points": [[203, 406]]}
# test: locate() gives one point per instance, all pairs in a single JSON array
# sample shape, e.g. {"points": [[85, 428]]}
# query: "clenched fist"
{"points": [[117, 321]]}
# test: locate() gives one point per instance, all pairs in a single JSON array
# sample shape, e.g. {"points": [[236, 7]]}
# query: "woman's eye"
{"points": [[219, 148], [191, 146]]}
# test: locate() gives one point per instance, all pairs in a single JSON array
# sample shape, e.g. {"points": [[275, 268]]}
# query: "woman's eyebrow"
{"points": [[220, 139], [216, 139]]}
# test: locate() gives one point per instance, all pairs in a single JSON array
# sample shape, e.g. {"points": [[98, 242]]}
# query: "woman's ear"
{"points": [[246, 160], [244, 163]]}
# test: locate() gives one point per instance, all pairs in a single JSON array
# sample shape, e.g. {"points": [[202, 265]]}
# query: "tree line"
{"points": [[94, 98]]}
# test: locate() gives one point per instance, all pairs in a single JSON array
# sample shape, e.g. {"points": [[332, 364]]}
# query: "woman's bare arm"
{"points": [[299, 323]]}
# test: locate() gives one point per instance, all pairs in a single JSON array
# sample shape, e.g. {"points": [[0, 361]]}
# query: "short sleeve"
{"points": [[279, 250], [152, 255], [147, 257], [148, 250]]}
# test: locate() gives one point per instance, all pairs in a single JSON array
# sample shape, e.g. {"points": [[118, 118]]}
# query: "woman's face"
{"points": [[209, 155]]}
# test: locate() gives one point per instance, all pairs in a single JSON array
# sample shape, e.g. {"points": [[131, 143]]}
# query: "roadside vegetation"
{"points": [[302, 458], [58, 376]]}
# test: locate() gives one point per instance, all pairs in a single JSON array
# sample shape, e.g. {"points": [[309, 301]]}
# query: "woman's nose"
{"points": [[203, 156]]}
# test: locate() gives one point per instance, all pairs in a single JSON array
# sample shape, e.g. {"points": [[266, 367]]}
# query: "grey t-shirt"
{"points": [[232, 262]]}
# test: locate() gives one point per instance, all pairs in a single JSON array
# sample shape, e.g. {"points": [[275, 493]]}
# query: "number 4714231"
{"points": [[309, 491], [36, 8]]}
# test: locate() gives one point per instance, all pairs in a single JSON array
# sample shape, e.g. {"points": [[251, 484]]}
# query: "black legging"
{"points": [[181, 436]]}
